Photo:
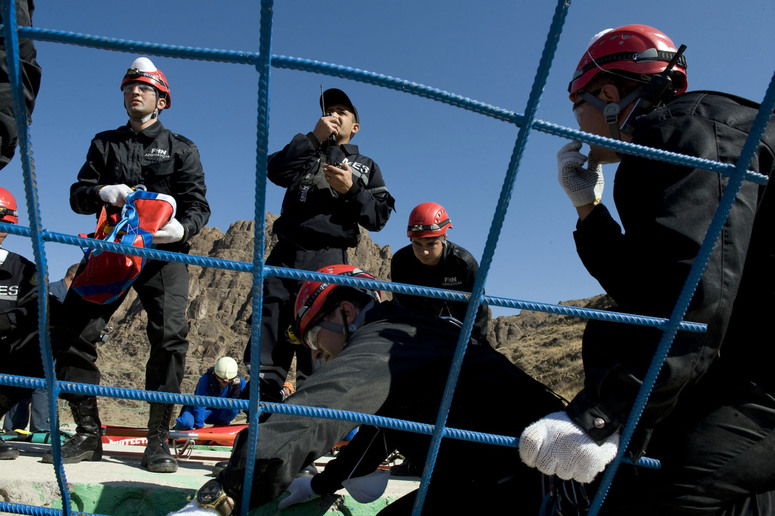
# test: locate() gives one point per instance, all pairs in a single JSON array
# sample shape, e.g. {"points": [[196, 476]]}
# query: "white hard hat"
{"points": [[143, 64], [226, 368]]}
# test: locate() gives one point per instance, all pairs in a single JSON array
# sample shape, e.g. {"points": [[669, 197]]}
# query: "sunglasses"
{"points": [[311, 337], [582, 95], [143, 87]]}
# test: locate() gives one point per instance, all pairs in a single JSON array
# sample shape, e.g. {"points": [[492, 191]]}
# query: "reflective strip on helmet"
{"points": [[637, 57], [7, 212], [134, 73], [419, 228]]}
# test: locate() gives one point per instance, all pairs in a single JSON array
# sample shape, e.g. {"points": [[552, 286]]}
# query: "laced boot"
{"points": [[86, 444], [157, 456], [7, 452]]}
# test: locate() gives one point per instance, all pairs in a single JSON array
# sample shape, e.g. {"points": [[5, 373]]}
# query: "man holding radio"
{"points": [[331, 188]]}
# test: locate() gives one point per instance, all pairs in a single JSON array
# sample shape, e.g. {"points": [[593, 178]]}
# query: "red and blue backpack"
{"points": [[107, 275]]}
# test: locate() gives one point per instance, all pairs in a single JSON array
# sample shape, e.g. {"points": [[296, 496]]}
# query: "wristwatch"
{"points": [[212, 496]]}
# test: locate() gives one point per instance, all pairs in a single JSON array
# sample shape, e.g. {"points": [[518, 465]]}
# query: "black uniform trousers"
{"points": [[277, 313], [20, 355], [717, 454], [163, 291]]}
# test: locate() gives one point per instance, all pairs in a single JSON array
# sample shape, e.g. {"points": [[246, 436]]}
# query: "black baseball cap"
{"points": [[335, 96]]}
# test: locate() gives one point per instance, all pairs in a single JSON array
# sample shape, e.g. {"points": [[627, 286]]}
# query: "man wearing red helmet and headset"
{"points": [[19, 347], [433, 261], [376, 353], [142, 152], [711, 416]]}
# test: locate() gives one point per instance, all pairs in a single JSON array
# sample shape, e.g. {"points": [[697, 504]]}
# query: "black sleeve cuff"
{"points": [[322, 485], [313, 140], [599, 212], [592, 418], [354, 189]]}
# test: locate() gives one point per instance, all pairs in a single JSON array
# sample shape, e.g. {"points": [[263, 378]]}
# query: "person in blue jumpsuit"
{"points": [[220, 381]]}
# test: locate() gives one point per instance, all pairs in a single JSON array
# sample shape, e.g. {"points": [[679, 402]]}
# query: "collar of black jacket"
{"points": [[151, 131]]}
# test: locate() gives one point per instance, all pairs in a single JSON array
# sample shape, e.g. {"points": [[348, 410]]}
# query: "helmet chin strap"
{"points": [[611, 110], [146, 117], [344, 328], [149, 116]]}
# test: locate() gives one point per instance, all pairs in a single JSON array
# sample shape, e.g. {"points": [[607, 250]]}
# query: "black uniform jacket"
{"points": [[456, 271], [162, 161], [314, 215], [665, 211], [396, 365], [18, 296]]}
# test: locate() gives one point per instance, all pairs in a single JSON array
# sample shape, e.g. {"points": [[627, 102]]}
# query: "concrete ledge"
{"points": [[119, 486]]}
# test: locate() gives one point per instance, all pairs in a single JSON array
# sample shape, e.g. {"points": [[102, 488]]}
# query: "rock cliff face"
{"points": [[547, 346]]}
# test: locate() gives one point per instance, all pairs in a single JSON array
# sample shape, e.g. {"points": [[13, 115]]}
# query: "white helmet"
{"points": [[226, 368]]}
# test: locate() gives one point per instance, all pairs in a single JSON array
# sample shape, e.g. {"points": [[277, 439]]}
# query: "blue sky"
{"points": [[427, 151]]}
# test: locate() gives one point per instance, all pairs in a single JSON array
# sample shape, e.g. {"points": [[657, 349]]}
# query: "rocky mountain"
{"points": [[547, 346]]}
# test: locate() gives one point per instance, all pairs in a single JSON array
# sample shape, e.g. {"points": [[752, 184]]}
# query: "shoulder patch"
{"points": [[183, 139]]}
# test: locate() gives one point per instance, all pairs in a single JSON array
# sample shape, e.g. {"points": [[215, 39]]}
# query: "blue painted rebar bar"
{"points": [[385, 81], [492, 238], [263, 61], [11, 40], [263, 68]]}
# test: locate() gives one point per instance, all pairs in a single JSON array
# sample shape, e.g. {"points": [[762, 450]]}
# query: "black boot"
{"points": [[86, 444], [7, 452], [157, 456]]}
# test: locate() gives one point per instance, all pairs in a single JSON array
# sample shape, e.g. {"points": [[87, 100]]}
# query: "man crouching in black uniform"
{"points": [[375, 355]]}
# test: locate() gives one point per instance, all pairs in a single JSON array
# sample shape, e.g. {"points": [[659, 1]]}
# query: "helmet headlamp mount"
{"points": [[658, 90]]}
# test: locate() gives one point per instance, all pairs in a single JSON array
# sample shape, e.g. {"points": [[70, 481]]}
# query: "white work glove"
{"points": [[170, 232], [555, 445], [115, 194], [193, 509], [300, 491], [583, 185]]}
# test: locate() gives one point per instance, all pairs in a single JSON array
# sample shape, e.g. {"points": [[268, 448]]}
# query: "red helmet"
{"points": [[143, 70], [428, 220], [311, 300], [638, 49], [8, 211]]}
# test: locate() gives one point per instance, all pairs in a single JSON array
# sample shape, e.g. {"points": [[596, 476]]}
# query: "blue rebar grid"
{"points": [[263, 61], [33, 212]]}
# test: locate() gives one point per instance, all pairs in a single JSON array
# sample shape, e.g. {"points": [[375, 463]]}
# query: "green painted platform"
{"points": [[118, 485]]}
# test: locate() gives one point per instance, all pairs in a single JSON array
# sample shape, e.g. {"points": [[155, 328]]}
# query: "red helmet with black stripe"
{"points": [[428, 219], [636, 49], [143, 70], [311, 302], [8, 211]]}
